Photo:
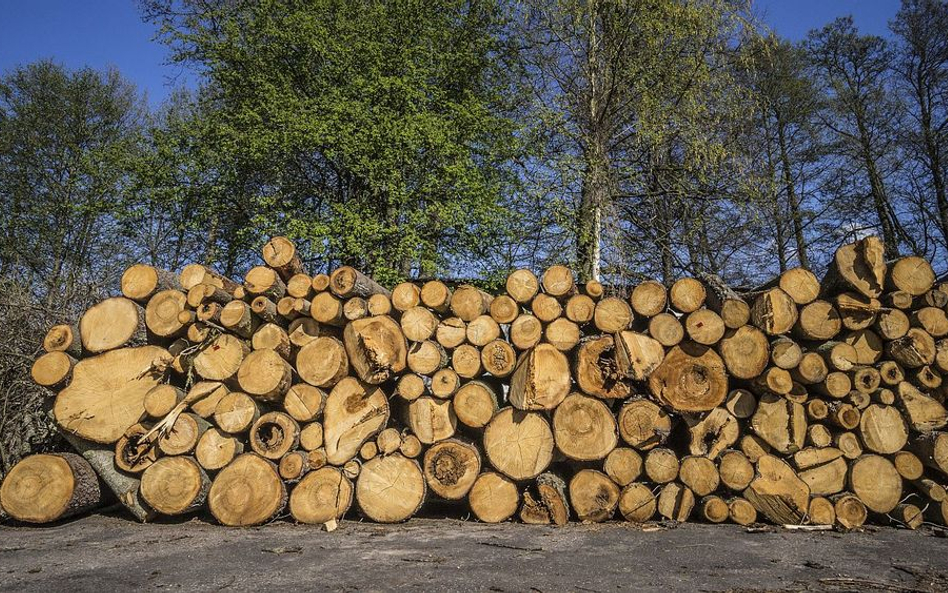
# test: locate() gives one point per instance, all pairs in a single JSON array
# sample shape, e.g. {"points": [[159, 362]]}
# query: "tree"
{"points": [[378, 132], [620, 88], [922, 68], [853, 71]]}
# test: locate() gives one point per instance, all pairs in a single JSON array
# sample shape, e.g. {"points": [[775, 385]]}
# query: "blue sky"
{"points": [[103, 33]]}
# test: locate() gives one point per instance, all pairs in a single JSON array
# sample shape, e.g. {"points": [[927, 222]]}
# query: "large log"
{"points": [[247, 492], [354, 413], [390, 489], [690, 379], [376, 347], [541, 379], [519, 444], [49, 487], [858, 266]]}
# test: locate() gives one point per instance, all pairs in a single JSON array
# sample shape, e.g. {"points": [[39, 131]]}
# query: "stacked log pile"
{"points": [[802, 402]]}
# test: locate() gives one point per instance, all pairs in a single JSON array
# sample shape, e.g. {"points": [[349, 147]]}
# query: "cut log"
{"points": [[643, 425], [690, 379], [649, 298], [699, 474], [498, 358], [425, 358], [418, 324], [745, 352], [526, 332], [405, 296], [932, 320], [687, 295], [390, 489], [637, 355], [388, 441], [247, 492], [773, 380], [713, 509], [183, 436], [811, 370], [584, 428], [264, 281], [563, 334], [541, 379], [469, 302], [913, 275], [612, 315], [518, 444], [49, 487], [836, 385], [593, 496], [818, 320], [216, 449], [354, 413], [892, 324], [162, 314], [63, 338], [817, 435], [923, 412], [857, 311], [596, 370], [322, 362], [666, 329], [712, 433], [451, 332], [735, 470], [848, 443], [558, 281], [376, 347], [494, 498], [266, 310], [778, 493], [411, 446], [705, 327], [300, 286], [868, 346], [754, 447], [908, 465], [274, 435], [780, 423], [239, 319], [311, 437], [844, 415], [907, 515], [204, 396], [280, 254], [724, 301], [883, 430], [410, 387], [801, 284], [850, 512], [552, 491], [482, 330], [436, 296], [822, 511], [451, 467], [475, 404], [304, 403], [107, 392], [221, 359], [236, 412], [322, 496], [741, 512], [264, 375], [445, 383], [111, 324], [741, 403], [623, 465], [326, 308], [913, 350], [823, 469], [774, 312], [637, 504], [661, 465], [546, 308], [141, 281], [347, 282], [858, 266], [876, 482], [52, 369], [932, 450], [175, 486], [504, 309], [160, 400], [580, 308], [675, 502], [432, 419]]}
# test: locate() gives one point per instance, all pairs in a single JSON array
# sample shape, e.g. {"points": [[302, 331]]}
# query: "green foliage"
{"points": [[375, 131]]}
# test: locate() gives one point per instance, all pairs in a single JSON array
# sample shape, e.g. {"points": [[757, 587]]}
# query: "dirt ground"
{"points": [[106, 553]]}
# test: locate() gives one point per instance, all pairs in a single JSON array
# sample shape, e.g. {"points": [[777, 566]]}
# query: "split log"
{"points": [[451, 467], [690, 379], [48, 487], [552, 491], [857, 311], [596, 371], [932, 450], [923, 412], [637, 355], [541, 379], [868, 346], [913, 350], [493, 498], [354, 413], [247, 492], [675, 502], [712, 433], [204, 396], [774, 312], [593, 496], [822, 469], [584, 428], [175, 486], [778, 493], [741, 403], [107, 392], [858, 266], [322, 496], [432, 419], [637, 504], [376, 347], [518, 444], [780, 423], [390, 489]]}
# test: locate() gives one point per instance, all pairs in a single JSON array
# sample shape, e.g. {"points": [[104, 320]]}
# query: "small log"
{"points": [[405, 296], [593, 496], [475, 404], [724, 301], [451, 332], [451, 467], [388, 441], [183, 436], [236, 413], [811, 370], [666, 329], [522, 286], [868, 346], [410, 387], [518, 444], [280, 254], [735, 470], [623, 465], [774, 312], [558, 281], [712, 433], [266, 310], [851, 513], [247, 492], [376, 347], [436, 296], [661, 465], [713, 509], [264, 281], [612, 315], [175, 486], [818, 321], [637, 504], [238, 317], [323, 496], [822, 511], [304, 403], [216, 449], [300, 286], [892, 324], [546, 308], [326, 308], [643, 425], [52, 369], [932, 450], [744, 351], [705, 327], [445, 383], [908, 465], [141, 281], [579, 308], [848, 443], [311, 437], [741, 512], [637, 355], [493, 498], [264, 375], [322, 362], [425, 358], [504, 309], [692, 378], [418, 324], [498, 358], [63, 338], [563, 334], [876, 482], [469, 302], [390, 489], [699, 474], [649, 298], [915, 349], [526, 332], [161, 400], [482, 330], [912, 274], [687, 295]]}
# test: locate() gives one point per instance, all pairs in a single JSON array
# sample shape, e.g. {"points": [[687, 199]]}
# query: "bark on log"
{"points": [[48, 487]]}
